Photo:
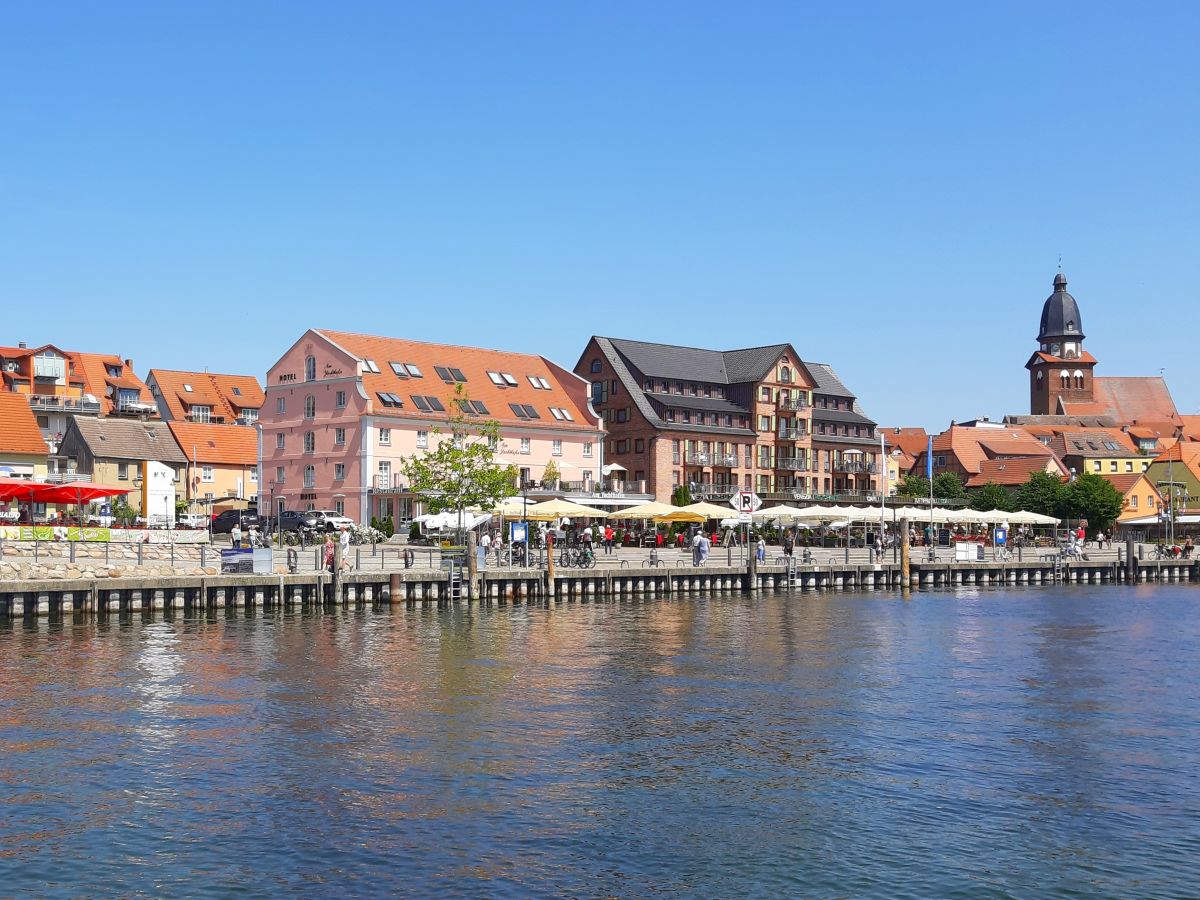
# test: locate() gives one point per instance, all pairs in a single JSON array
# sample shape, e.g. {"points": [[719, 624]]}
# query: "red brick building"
{"points": [[720, 421]]}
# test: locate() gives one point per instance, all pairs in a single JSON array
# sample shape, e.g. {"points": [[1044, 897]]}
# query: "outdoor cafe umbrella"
{"points": [[643, 511], [550, 510], [680, 514], [511, 507], [789, 513], [708, 510], [1021, 517]]}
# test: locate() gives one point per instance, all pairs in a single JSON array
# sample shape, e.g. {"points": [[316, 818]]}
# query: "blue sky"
{"points": [[889, 187]]}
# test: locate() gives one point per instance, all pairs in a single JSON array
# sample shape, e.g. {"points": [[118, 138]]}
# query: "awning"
{"points": [[613, 467]]}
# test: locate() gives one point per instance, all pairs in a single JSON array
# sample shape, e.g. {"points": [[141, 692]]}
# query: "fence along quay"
{"points": [[103, 596]]}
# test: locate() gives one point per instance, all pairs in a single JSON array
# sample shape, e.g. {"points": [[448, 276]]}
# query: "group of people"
{"points": [[252, 537]]}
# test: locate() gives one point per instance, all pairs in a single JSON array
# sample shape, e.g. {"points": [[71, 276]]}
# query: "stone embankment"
{"points": [[69, 561]]}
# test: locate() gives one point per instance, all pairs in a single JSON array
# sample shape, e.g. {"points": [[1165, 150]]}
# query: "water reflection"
{"points": [[1010, 742]]}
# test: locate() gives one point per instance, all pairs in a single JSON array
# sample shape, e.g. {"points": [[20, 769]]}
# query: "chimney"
{"points": [[129, 365], [22, 346]]}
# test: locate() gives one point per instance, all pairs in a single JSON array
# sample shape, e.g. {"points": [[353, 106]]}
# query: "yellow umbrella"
{"points": [[680, 514], [643, 511], [710, 510], [511, 507], [560, 509]]}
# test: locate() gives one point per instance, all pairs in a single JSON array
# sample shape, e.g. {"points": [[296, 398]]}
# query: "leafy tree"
{"points": [[681, 496], [1096, 499], [1042, 493], [460, 470], [181, 506], [913, 486], [948, 486], [550, 471], [122, 512], [990, 496]]}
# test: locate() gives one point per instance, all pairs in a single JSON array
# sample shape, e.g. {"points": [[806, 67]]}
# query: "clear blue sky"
{"points": [[889, 187]]}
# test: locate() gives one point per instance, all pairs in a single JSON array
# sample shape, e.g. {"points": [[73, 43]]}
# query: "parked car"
{"points": [[328, 520], [297, 520], [223, 523]]}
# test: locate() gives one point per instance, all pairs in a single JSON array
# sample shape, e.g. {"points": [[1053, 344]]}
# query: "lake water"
{"points": [[991, 743]]}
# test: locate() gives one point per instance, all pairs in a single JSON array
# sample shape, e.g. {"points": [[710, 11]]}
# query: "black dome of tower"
{"points": [[1060, 314]]}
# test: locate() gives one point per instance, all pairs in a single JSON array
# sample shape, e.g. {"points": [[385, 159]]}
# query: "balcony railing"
{"points": [[854, 467], [792, 434], [792, 464], [67, 477], [393, 482], [52, 403], [793, 403], [697, 458]]}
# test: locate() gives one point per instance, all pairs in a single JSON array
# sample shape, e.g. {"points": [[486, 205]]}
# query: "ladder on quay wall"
{"points": [[790, 573], [454, 580]]}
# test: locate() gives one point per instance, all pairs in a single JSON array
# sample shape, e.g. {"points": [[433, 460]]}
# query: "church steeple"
{"points": [[1060, 372]]}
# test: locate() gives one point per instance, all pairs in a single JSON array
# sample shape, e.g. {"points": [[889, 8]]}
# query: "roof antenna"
{"points": [[1060, 263]]}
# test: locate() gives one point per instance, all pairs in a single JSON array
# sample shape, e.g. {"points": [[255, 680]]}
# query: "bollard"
{"points": [[203, 555], [141, 551], [172, 554], [358, 557], [72, 551], [36, 545], [905, 561]]}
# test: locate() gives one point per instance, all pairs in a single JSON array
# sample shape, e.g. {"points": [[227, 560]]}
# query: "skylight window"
{"points": [[518, 410], [564, 415], [371, 367], [466, 407], [479, 407], [545, 384], [389, 399], [419, 403], [435, 404], [188, 388], [237, 391], [458, 374], [530, 411], [413, 370], [508, 379], [443, 373], [496, 379], [554, 411], [398, 369]]}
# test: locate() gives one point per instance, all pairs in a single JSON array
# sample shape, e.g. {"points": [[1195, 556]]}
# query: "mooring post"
{"points": [[905, 584], [472, 567], [1131, 563], [335, 577], [549, 565], [752, 574]]}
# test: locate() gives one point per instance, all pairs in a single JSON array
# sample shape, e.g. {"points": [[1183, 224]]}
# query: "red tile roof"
{"points": [[475, 363], [1124, 481], [972, 446], [18, 428], [1144, 400], [1012, 471], [87, 372], [231, 445], [221, 392], [911, 440]]}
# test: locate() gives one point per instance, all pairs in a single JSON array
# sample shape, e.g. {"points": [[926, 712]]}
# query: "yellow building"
{"points": [[1141, 497], [222, 464], [23, 451]]}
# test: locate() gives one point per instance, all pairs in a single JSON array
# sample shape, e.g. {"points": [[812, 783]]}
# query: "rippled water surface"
{"points": [[976, 744]]}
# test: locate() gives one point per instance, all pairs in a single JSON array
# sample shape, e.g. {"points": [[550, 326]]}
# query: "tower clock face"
{"points": [[1054, 349]]}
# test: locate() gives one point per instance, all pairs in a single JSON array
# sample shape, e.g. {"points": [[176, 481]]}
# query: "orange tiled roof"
{"points": [[1127, 400], [1191, 427], [911, 440], [18, 428], [1012, 471], [229, 445], [974, 445], [1124, 481], [219, 391], [92, 369], [475, 363]]}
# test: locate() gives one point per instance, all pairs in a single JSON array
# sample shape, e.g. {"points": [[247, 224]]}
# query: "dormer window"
{"points": [[1071, 325]]}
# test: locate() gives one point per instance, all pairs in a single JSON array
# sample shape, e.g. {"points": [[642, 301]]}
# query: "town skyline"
{"points": [[892, 193]]}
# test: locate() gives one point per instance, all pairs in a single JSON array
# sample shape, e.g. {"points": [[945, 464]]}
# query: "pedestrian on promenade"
{"points": [[760, 550], [704, 547], [329, 553], [696, 538], [788, 543], [587, 539], [235, 535], [344, 541], [608, 540], [485, 542]]}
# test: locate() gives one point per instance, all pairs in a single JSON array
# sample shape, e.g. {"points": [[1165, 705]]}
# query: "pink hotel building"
{"points": [[343, 410]]}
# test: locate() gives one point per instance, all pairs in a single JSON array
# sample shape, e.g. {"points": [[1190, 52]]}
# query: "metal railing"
{"points": [[66, 477], [793, 403], [697, 458], [792, 464], [854, 467], [51, 403], [710, 490], [792, 433]]}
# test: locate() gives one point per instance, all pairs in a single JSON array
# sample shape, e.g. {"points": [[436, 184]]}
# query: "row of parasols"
{"points": [[552, 510]]}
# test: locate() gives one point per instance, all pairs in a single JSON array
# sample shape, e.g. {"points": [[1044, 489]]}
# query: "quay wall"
{"points": [[29, 596]]}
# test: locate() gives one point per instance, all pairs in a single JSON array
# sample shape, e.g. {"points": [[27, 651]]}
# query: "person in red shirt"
{"points": [[608, 540]]}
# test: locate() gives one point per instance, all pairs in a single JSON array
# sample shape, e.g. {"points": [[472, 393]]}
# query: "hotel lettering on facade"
{"points": [[343, 411]]}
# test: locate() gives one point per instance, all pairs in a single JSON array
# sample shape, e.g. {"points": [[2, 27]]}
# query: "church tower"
{"points": [[1060, 372]]}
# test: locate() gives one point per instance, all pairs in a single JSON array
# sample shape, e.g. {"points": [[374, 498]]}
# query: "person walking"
{"points": [[760, 550], [705, 546], [788, 543], [235, 536], [329, 553], [696, 538], [608, 540]]}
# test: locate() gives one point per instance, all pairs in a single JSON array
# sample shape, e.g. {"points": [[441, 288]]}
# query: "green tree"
{"points": [[948, 486], [460, 470], [913, 486], [550, 472], [122, 512], [681, 496], [1096, 499], [181, 506], [990, 496], [1042, 493]]}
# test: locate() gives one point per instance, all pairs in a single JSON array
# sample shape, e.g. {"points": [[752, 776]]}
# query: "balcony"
{"points": [[854, 467], [54, 403], [793, 403], [792, 433], [52, 367], [583, 489], [721, 460], [389, 483], [67, 477], [792, 464]]}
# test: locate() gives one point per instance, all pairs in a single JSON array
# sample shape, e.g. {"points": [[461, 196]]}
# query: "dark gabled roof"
{"points": [[841, 416], [131, 439], [705, 404], [696, 364], [827, 381]]}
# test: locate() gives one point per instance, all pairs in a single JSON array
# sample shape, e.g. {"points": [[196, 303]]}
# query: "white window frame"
{"points": [[422, 439], [385, 437], [339, 400], [525, 445], [207, 475], [280, 405], [587, 449], [556, 448], [339, 436]]}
